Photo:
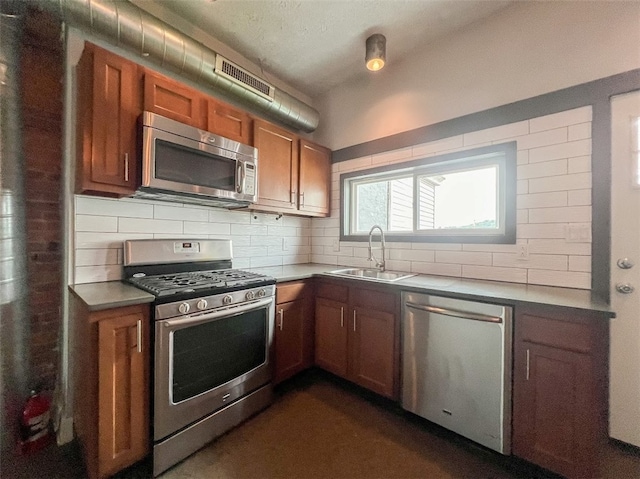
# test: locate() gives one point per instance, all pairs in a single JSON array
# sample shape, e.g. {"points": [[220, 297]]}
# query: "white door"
{"points": [[624, 404]]}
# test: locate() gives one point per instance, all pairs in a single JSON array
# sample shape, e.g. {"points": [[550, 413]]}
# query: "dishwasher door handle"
{"points": [[454, 313]]}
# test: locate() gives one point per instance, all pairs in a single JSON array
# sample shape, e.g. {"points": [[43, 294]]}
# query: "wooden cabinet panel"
{"points": [[111, 381], [289, 339], [277, 167], [372, 350], [559, 390], [230, 122], [315, 179], [123, 406], [174, 100], [108, 107], [358, 338], [331, 336]]}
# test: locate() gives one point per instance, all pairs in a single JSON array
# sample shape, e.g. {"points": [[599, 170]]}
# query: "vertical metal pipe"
{"points": [[14, 317]]}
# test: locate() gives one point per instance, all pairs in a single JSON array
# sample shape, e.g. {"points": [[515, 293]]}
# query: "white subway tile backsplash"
{"points": [[544, 169], [91, 274], [565, 279], [105, 224], [560, 215], [579, 197], [90, 205], [463, 257], [249, 230], [580, 263], [106, 240], [538, 261], [522, 157], [206, 228], [546, 231], [580, 131], [96, 257], [580, 164], [177, 213], [260, 261], [576, 181], [512, 275], [141, 225], [559, 151], [432, 147], [233, 217], [563, 118], [391, 156], [543, 138], [412, 255], [556, 246], [542, 200], [440, 269]]}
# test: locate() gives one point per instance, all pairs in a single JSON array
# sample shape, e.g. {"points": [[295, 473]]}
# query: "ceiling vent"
{"points": [[239, 75]]}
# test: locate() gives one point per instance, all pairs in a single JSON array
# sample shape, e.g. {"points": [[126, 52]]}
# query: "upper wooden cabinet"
{"points": [[109, 103], [357, 335], [277, 167], [174, 100], [294, 174], [228, 121], [560, 389], [315, 179]]}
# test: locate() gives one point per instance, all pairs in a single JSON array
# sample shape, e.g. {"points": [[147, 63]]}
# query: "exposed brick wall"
{"points": [[42, 90]]}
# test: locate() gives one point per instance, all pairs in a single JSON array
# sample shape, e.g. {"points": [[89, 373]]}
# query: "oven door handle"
{"points": [[219, 313]]}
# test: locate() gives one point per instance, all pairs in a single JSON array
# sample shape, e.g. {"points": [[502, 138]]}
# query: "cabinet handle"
{"points": [[342, 316], [528, 364], [281, 313], [293, 198], [302, 198], [126, 167], [139, 331], [354, 320]]}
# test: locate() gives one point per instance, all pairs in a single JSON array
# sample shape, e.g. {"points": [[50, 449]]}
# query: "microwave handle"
{"points": [[241, 177]]}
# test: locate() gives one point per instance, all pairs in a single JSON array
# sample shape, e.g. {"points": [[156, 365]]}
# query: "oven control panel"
{"points": [[208, 304]]}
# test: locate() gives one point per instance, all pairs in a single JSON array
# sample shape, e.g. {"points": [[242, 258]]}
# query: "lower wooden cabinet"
{"points": [[111, 396], [560, 389], [294, 329], [357, 335]]}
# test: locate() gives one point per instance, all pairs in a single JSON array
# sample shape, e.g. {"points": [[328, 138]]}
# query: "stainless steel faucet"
{"points": [[379, 264]]}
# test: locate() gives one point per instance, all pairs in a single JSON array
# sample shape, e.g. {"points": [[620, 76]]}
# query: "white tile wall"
{"points": [[101, 226], [553, 192]]}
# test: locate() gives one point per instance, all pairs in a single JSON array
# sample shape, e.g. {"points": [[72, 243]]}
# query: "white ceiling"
{"points": [[314, 45]]}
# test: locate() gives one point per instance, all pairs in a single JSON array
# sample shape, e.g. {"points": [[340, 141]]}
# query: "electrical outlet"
{"points": [[523, 252], [336, 246]]}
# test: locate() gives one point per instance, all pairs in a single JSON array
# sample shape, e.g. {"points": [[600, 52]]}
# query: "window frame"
{"points": [[471, 157]]}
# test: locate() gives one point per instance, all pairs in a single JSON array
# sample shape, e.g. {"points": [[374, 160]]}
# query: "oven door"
{"points": [[204, 362]]}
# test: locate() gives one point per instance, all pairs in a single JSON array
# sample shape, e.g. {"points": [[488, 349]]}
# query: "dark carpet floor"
{"points": [[322, 427]]}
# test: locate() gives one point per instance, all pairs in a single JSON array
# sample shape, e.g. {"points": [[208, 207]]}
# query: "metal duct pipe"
{"points": [[14, 318], [135, 30]]}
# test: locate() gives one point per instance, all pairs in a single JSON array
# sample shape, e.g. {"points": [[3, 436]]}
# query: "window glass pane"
{"points": [[460, 200], [371, 205]]}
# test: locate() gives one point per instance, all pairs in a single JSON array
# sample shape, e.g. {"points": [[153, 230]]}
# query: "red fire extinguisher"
{"points": [[35, 423]]}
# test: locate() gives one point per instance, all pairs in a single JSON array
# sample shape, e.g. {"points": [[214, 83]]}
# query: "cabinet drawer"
{"points": [[374, 299], [335, 292], [554, 332], [286, 292]]}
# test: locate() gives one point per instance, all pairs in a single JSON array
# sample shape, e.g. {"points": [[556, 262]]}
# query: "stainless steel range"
{"points": [[213, 330]]}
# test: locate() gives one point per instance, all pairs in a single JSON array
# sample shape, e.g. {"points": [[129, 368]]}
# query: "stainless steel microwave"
{"points": [[185, 164]]}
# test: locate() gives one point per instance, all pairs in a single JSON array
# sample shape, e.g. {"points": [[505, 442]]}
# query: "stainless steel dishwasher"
{"points": [[456, 366]]}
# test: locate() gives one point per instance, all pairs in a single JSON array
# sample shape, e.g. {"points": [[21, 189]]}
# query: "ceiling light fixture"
{"points": [[376, 53]]}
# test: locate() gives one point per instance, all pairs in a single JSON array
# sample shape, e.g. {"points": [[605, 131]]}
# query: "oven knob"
{"points": [[261, 293], [202, 304], [250, 295], [184, 308], [227, 299]]}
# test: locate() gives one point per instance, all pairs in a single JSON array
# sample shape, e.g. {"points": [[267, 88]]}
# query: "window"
{"points": [[465, 197]]}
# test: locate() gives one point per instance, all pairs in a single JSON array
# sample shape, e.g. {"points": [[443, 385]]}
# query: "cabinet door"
{"points": [[289, 339], [123, 421], [331, 336], [230, 122], [169, 98], [108, 100], [371, 345], [277, 167], [315, 179], [553, 421]]}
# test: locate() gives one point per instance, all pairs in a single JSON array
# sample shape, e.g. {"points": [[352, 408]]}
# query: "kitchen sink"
{"points": [[372, 274]]}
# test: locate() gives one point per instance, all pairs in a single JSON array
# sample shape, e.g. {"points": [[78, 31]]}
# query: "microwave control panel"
{"points": [[249, 179]]}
